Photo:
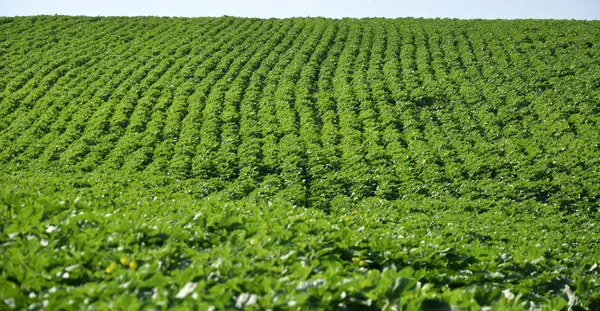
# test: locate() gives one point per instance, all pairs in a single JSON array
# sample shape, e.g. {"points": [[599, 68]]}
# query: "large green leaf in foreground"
{"points": [[307, 163]]}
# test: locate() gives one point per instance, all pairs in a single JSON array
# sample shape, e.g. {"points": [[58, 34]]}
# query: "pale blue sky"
{"points": [[466, 9]]}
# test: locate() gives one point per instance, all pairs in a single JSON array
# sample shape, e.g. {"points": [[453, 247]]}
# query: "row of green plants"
{"points": [[387, 108]]}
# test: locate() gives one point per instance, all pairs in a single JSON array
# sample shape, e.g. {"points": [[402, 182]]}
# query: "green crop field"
{"points": [[299, 164]]}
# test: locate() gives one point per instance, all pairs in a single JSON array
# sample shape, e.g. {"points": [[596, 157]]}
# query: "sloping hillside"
{"points": [[307, 162]]}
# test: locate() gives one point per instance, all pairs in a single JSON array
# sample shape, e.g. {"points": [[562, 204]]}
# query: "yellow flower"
{"points": [[360, 261], [133, 265], [124, 261], [111, 268]]}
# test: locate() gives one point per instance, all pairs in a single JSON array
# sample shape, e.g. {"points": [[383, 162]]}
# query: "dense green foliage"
{"points": [[302, 163]]}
